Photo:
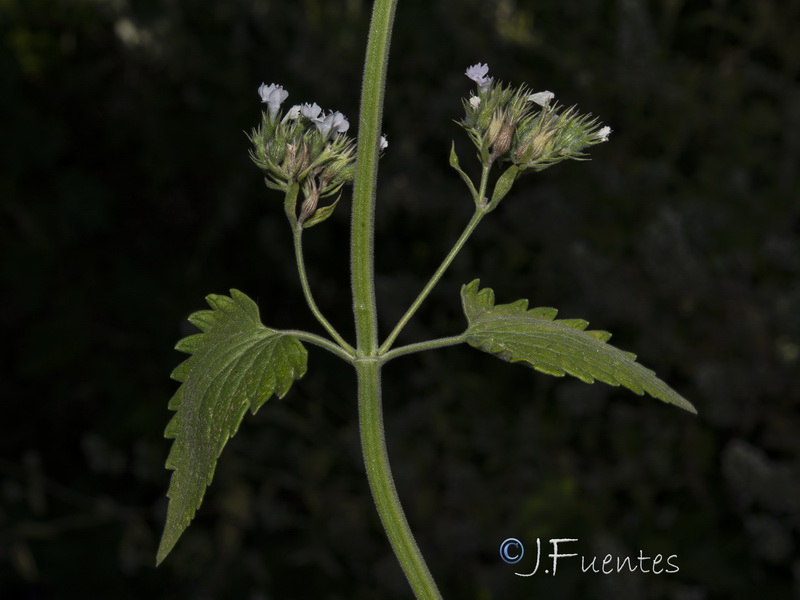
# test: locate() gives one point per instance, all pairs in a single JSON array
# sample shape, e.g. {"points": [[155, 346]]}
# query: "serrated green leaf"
{"points": [[235, 365], [190, 344], [181, 372], [556, 347], [202, 319]]}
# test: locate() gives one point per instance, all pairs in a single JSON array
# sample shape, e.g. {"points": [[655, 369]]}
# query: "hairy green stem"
{"points": [[421, 346], [480, 211], [379, 474], [301, 269], [368, 365], [363, 222]]}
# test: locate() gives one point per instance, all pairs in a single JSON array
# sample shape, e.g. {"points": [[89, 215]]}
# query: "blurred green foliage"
{"points": [[126, 196]]}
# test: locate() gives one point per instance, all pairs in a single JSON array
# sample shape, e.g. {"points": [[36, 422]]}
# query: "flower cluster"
{"points": [[306, 148], [528, 129]]}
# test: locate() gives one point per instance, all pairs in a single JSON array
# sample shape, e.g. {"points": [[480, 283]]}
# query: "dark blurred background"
{"points": [[127, 195]]}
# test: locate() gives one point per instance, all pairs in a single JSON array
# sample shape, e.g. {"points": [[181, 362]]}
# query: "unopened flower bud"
{"points": [[310, 203], [297, 159], [493, 130], [541, 144], [503, 141], [538, 144], [290, 160]]}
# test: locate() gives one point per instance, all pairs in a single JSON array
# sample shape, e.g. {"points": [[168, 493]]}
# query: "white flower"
{"points": [[474, 102], [477, 73], [272, 95], [340, 123], [603, 134], [542, 98], [384, 142], [332, 122], [292, 113], [310, 111], [265, 90]]}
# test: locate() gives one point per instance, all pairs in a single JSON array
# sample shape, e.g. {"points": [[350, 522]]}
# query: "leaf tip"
{"points": [[168, 539], [164, 548], [471, 287]]}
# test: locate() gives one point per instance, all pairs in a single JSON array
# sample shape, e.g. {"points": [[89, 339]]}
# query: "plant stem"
{"points": [[480, 211], [301, 269], [421, 346], [368, 365], [366, 173], [379, 474]]}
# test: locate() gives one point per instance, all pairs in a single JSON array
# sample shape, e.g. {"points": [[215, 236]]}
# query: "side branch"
{"points": [[301, 269], [481, 210]]}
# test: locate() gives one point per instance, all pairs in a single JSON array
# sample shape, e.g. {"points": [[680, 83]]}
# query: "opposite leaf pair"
{"points": [[237, 364]]}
